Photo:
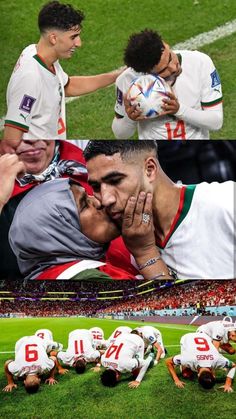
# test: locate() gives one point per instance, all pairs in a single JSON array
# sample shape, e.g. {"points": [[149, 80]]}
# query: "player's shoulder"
{"points": [[194, 55], [216, 192], [128, 75]]}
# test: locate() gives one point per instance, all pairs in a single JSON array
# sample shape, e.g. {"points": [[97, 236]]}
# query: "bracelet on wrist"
{"points": [[149, 262]]}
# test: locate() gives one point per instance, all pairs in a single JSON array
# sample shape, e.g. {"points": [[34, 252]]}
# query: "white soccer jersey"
{"points": [[197, 351], [151, 335], [47, 336], [30, 357], [200, 243], [217, 330], [197, 87], [125, 354], [36, 97], [117, 333], [80, 343], [98, 337]]}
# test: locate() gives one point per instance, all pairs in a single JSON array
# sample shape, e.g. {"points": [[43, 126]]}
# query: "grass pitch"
{"points": [[107, 27], [84, 396]]}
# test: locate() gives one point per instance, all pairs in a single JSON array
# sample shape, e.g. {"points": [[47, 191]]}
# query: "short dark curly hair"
{"points": [[143, 51], [59, 16]]}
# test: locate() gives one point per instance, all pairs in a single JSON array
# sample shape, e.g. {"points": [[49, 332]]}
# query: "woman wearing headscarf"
{"points": [[59, 231]]}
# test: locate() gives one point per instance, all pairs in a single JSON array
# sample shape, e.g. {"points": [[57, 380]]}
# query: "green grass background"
{"points": [[84, 396], [107, 26]]}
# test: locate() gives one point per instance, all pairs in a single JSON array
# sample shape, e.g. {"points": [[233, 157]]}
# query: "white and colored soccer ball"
{"points": [[147, 92]]}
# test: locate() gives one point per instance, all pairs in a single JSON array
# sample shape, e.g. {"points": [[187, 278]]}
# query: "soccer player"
{"points": [[118, 332], [124, 355], [47, 337], [38, 85], [153, 337], [80, 351], [191, 110], [10, 168], [221, 332], [187, 219], [98, 337], [198, 354], [31, 361]]}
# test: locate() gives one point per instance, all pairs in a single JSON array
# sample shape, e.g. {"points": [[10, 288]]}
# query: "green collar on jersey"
{"points": [[179, 57], [40, 61], [186, 197]]}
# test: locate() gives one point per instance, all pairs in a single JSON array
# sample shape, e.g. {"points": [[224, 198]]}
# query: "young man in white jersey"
{"points": [[192, 109], [153, 338], [117, 333], [198, 354], [47, 337], [194, 226], [31, 361], [38, 85], [125, 355], [221, 333], [80, 351]]}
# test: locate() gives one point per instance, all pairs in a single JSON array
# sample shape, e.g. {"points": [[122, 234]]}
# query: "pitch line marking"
{"points": [[195, 42]]}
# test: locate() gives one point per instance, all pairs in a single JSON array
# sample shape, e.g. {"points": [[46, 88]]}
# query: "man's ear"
{"points": [[151, 168], [52, 38]]}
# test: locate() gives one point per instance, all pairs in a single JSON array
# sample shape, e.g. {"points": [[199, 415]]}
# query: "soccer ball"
{"points": [[147, 92]]}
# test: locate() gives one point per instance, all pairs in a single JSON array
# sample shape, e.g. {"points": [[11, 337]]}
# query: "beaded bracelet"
{"points": [[149, 262]]}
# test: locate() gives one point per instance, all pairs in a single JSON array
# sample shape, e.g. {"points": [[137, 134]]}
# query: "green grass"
{"points": [[84, 397], [107, 27]]}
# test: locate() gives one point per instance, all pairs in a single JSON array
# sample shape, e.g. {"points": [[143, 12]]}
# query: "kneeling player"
{"points": [[198, 354], [80, 351], [221, 332], [47, 336], [153, 339], [117, 333], [126, 354], [31, 362], [98, 337]]}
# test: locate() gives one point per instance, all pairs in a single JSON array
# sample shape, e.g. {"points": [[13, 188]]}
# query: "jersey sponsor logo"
{"points": [[215, 79], [27, 103], [119, 96], [205, 357]]}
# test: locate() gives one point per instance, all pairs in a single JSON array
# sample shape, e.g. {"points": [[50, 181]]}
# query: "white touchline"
{"points": [[195, 42]]}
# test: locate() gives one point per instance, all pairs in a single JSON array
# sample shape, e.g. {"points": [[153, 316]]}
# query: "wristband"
{"points": [[149, 262]]}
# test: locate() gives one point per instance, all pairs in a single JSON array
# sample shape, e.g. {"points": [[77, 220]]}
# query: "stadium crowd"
{"points": [[42, 299]]}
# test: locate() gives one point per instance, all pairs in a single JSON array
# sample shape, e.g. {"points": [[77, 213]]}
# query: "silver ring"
{"points": [[146, 218]]}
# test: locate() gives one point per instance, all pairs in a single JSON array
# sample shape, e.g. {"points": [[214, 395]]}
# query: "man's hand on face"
{"points": [[137, 226], [10, 167], [9, 146]]}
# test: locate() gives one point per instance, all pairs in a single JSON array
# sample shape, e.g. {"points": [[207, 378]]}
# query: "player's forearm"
{"points": [[171, 369], [152, 266], [81, 85], [145, 366], [11, 133], [210, 119], [123, 128]]}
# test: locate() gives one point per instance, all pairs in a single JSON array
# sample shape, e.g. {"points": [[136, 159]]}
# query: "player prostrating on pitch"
{"points": [[125, 355], [221, 332], [80, 351], [98, 337], [117, 333], [47, 337], [31, 362], [153, 339], [198, 354]]}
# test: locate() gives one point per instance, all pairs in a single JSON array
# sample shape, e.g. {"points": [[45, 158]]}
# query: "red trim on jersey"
{"points": [[177, 216], [16, 126], [51, 69]]}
